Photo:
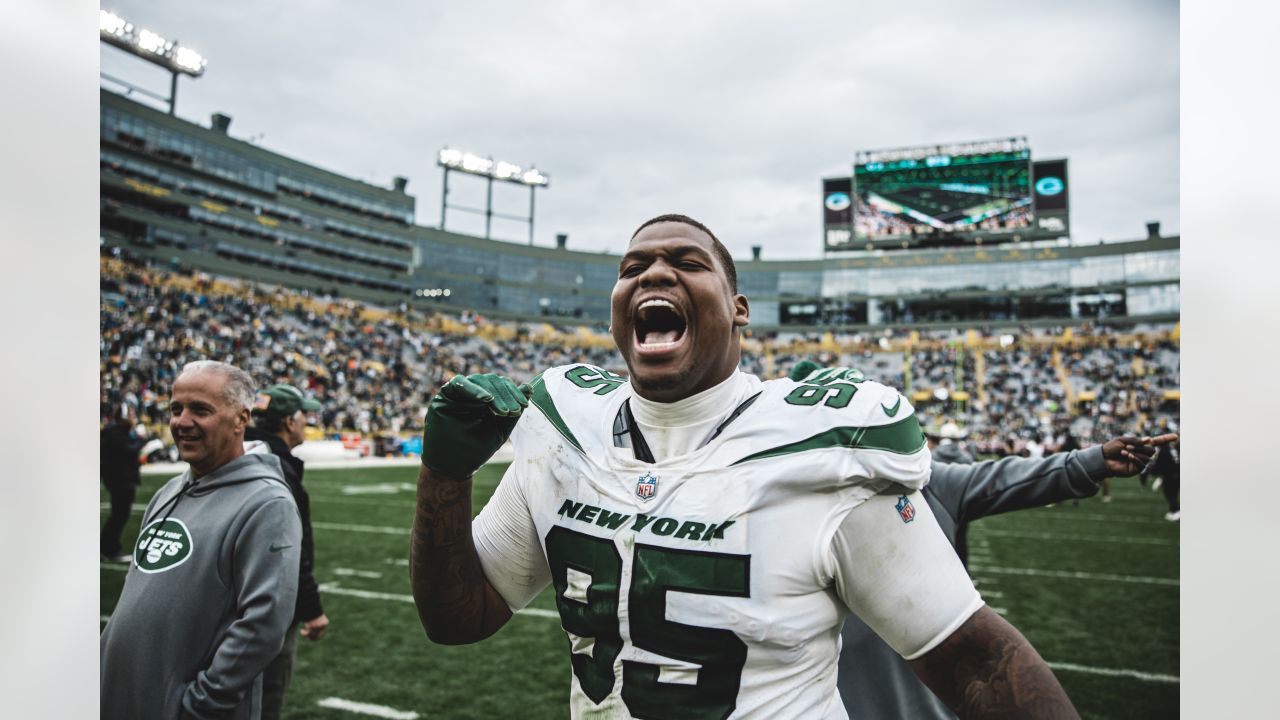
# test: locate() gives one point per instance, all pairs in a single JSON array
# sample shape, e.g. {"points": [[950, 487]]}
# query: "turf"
{"points": [[376, 652]]}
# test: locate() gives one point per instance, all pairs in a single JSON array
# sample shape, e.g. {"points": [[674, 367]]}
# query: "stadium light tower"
{"points": [[491, 170], [150, 46]]}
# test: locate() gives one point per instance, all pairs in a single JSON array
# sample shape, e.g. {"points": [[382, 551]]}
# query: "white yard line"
{"points": [[381, 711], [134, 508], [380, 489], [356, 573], [118, 567], [1118, 518], [335, 589], [348, 500], [539, 612], [1116, 539], [1113, 672], [380, 529], [1070, 575]]}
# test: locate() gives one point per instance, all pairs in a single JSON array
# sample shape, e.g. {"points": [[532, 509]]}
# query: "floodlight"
{"points": [[152, 42], [113, 24], [149, 45], [476, 164], [491, 169], [506, 171], [189, 60]]}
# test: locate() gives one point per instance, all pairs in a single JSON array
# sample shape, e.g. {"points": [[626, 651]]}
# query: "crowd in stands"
{"points": [[374, 369]]}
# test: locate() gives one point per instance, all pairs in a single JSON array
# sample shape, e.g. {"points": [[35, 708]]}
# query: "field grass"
{"points": [[1094, 587]]}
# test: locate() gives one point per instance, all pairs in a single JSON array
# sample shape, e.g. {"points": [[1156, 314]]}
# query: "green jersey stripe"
{"points": [[542, 399], [903, 437]]}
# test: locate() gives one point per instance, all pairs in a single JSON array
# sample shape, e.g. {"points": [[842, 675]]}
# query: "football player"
{"points": [[706, 533]]}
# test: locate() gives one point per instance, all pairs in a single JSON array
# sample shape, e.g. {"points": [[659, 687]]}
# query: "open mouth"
{"points": [[659, 325]]}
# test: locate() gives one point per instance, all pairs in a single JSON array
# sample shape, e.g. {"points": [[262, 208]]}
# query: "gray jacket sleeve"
{"points": [[991, 487], [265, 583]]}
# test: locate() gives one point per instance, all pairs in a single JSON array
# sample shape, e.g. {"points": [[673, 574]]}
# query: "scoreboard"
{"points": [[945, 195]]}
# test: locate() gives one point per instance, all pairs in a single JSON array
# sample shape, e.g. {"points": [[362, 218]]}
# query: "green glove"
{"points": [[803, 369], [807, 371], [468, 420]]}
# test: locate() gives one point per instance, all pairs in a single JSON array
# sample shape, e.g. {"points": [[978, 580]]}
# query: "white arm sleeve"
{"points": [[902, 578], [507, 542]]}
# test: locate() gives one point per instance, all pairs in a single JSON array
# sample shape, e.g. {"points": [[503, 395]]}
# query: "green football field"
{"points": [[1094, 587]]}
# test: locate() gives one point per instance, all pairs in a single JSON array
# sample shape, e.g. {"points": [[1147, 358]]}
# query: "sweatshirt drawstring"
{"points": [[171, 504]]}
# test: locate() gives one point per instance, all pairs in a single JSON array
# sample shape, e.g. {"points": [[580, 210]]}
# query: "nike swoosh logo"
{"points": [[278, 548], [891, 411]]}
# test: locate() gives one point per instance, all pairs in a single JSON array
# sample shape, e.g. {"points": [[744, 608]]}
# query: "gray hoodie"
{"points": [[208, 598]]}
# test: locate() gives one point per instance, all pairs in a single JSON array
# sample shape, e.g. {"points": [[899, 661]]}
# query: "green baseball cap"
{"points": [[284, 401]]}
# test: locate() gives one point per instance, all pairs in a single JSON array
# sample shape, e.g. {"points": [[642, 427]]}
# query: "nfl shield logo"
{"points": [[647, 486], [906, 509]]}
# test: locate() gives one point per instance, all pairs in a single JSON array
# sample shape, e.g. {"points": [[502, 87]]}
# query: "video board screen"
{"points": [[837, 212], [1049, 179], [943, 194]]}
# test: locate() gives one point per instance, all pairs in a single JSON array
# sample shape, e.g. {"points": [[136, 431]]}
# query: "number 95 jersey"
{"points": [[704, 585]]}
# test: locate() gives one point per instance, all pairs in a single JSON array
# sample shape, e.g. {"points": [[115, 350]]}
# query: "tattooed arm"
{"points": [[467, 421], [987, 669], [455, 603]]}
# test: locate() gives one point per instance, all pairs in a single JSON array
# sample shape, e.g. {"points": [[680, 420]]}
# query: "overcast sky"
{"points": [[731, 112]]}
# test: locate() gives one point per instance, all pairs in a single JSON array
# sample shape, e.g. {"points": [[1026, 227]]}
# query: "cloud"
{"points": [[731, 112]]}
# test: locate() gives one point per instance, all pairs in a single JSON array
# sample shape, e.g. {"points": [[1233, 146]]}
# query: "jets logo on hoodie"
{"points": [[162, 545]]}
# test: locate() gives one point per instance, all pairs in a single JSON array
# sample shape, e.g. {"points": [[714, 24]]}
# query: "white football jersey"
{"points": [[704, 586]]}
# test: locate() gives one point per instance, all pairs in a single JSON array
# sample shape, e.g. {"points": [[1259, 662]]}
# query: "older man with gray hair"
{"points": [[214, 573]]}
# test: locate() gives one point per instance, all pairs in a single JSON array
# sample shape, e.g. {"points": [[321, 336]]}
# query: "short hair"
{"points": [[239, 390], [730, 270], [269, 423]]}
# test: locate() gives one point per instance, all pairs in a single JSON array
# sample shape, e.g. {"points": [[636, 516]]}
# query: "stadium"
{"points": [[999, 330]]}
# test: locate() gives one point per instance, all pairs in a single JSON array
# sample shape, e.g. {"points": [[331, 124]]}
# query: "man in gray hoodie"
{"points": [[214, 574]]}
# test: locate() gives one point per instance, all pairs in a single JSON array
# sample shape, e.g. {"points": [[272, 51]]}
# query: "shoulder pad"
{"points": [[798, 416], [575, 399]]}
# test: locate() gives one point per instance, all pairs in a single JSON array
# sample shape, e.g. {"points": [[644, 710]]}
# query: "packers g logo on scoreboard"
{"points": [[162, 545]]}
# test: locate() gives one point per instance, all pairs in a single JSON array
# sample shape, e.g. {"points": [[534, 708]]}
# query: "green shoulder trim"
{"points": [[903, 437], [542, 399]]}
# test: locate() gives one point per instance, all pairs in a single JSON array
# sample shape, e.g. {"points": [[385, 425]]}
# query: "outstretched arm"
{"points": [[987, 669], [467, 422], [991, 487]]}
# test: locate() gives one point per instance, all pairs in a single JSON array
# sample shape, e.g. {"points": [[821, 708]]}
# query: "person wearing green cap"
{"points": [[279, 425]]}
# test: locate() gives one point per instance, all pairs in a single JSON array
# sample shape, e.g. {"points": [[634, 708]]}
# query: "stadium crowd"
{"points": [[375, 369]]}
